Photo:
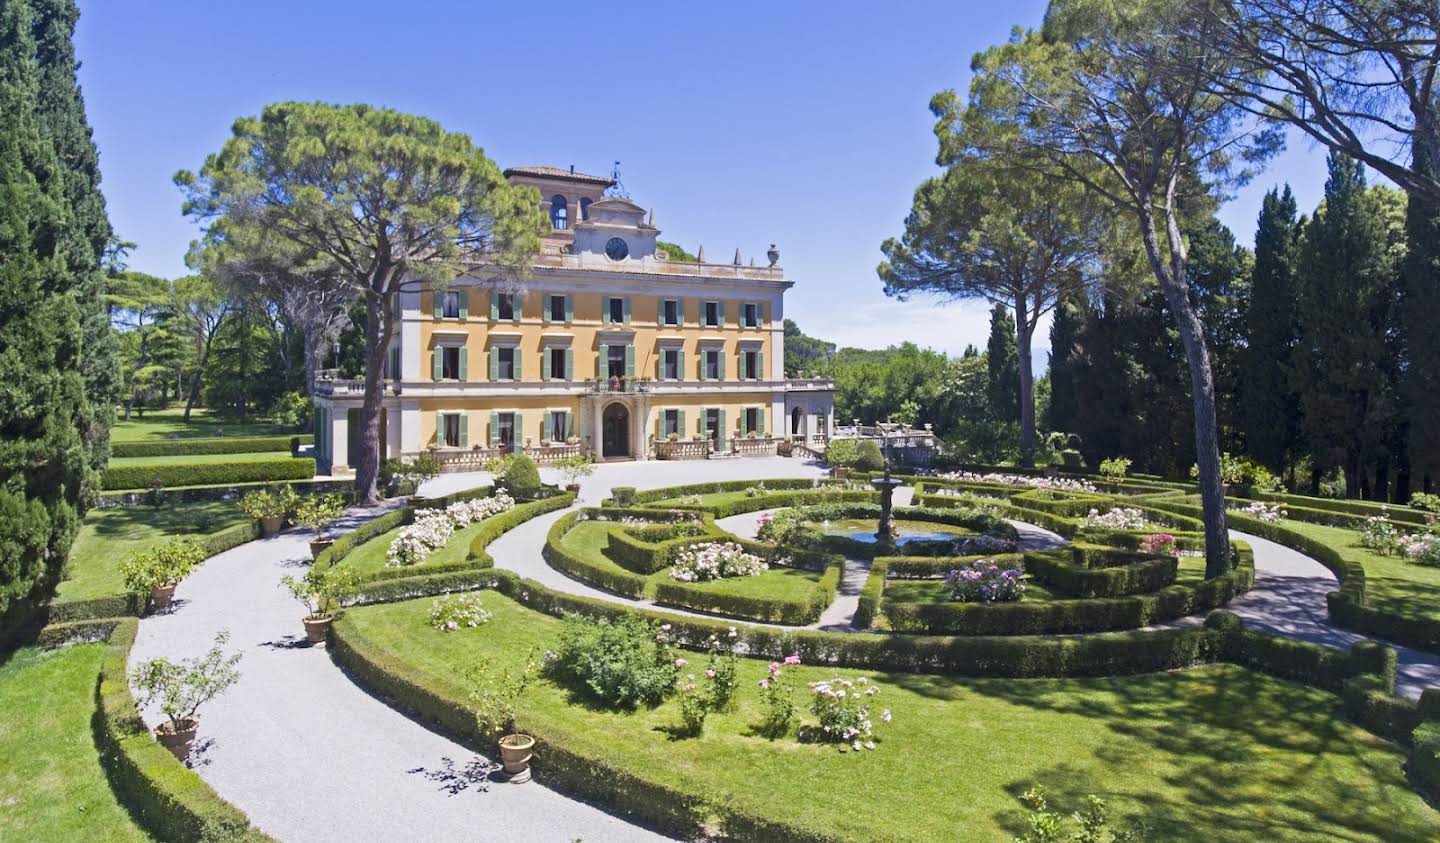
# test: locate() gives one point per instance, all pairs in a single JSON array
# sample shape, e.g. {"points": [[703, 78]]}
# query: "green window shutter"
{"points": [[680, 364], [439, 429], [700, 424], [545, 309], [437, 304], [680, 422], [494, 305], [601, 357], [569, 364], [494, 428], [720, 425], [680, 309], [515, 305], [760, 365], [544, 364], [721, 308], [464, 430], [569, 309], [464, 304], [721, 356], [760, 421], [629, 360], [660, 365], [625, 305], [464, 364], [659, 425], [494, 363], [437, 360], [569, 424], [519, 364], [760, 313]]}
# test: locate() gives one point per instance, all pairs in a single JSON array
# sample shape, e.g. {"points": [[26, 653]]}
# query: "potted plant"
{"points": [[320, 592], [494, 696], [575, 466], [270, 507], [316, 512], [158, 570], [180, 688]]}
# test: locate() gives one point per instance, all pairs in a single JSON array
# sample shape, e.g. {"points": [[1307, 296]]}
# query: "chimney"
{"points": [[572, 169]]}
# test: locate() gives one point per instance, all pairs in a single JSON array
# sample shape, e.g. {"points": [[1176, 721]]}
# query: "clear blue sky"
{"points": [[741, 124]]}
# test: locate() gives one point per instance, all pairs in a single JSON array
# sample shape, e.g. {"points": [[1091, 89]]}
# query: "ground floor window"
{"points": [[712, 424], [450, 434], [670, 424], [505, 429], [754, 421], [558, 420]]}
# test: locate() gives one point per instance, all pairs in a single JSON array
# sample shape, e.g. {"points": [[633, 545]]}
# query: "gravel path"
{"points": [[310, 756]]}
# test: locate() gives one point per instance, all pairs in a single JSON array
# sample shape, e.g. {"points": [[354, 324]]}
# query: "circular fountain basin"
{"points": [[863, 530]]}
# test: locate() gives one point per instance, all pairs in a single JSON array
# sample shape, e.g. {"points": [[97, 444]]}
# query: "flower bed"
{"points": [[432, 528]]}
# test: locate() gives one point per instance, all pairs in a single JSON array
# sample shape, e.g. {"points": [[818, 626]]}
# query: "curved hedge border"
{"points": [[796, 612], [196, 446], [667, 492], [164, 796], [1072, 571], [646, 557], [126, 477]]}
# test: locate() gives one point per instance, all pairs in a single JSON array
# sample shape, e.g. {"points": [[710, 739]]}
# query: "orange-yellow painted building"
{"points": [[610, 348]]}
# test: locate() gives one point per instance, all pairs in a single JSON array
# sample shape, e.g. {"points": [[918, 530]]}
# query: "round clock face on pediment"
{"points": [[616, 249]]}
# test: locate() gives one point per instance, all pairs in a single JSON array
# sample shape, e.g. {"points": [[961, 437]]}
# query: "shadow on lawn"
{"points": [[1211, 737]]}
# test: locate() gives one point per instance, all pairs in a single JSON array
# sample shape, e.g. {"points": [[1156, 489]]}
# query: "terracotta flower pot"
{"points": [[573, 487], [840, 472], [161, 596], [319, 546], [317, 628], [515, 752], [270, 525], [178, 741]]}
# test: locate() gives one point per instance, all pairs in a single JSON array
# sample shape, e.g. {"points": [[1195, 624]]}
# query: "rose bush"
{"points": [[715, 560], [983, 581]]}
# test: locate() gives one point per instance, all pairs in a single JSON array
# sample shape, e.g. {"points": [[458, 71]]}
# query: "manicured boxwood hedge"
{"points": [[647, 557], [1065, 569], [776, 500], [207, 474], [164, 796], [576, 566], [796, 612], [667, 492], [211, 445], [928, 567]]}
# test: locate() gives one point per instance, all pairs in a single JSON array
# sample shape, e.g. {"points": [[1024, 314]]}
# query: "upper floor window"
{"points": [[751, 362], [752, 315], [615, 361], [505, 363], [712, 365], [505, 306], [615, 310], [584, 208], [451, 308], [712, 314], [670, 364], [670, 312], [557, 308], [558, 358], [450, 363], [559, 213]]}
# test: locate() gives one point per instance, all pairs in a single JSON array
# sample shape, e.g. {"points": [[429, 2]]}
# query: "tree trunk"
{"points": [[1202, 381], [378, 329], [195, 381], [314, 349], [1023, 331]]}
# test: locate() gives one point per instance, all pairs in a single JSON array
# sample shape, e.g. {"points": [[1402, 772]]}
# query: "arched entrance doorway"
{"points": [[797, 422], [615, 431]]}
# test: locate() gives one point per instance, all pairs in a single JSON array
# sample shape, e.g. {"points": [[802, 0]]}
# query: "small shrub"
{"points": [[521, 476], [1422, 550], [1425, 500], [458, 611], [275, 502], [165, 564], [575, 466], [1116, 519], [721, 669], [715, 560], [843, 708], [1380, 535], [293, 409], [694, 704], [1114, 469], [843, 452], [623, 495], [1162, 544], [1047, 826], [320, 589], [494, 695], [625, 663], [869, 457], [777, 697], [181, 688], [316, 512], [983, 581]]}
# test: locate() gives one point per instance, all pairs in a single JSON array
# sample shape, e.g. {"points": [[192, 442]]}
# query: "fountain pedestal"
{"points": [[886, 485]]}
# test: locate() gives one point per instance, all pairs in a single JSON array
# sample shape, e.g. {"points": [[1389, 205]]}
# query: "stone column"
{"points": [[340, 439]]}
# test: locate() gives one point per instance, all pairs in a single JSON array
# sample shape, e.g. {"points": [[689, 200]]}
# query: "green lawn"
{"points": [[200, 459], [52, 787], [107, 536], [370, 556], [588, 538], [934, 591], [1392, 583], [159, 424], [905, 528], [712, 499], [1217, 753]]}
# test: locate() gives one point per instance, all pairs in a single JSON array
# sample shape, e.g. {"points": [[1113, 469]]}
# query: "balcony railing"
{"points": [[354, 387]]}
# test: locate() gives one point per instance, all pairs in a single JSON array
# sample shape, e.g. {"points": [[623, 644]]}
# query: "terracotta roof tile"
{"points": [[557, 173]]}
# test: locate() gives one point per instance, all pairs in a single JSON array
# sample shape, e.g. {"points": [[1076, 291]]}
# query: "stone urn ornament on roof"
{"points": [[773, 254]]}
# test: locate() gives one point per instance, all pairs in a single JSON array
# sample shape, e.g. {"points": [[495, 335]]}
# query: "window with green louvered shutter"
{"points": [[601, 358], [494, 428], [464, 364], [680, 307], [569, 364], [437, 367], [439, 430], [494, 363], [569, 424], [680, 422], [569, 309], [464, 305], [629, 359], [721, 356], [680, 364], [660, 365], [518, 358], [545, 309], [494, 305], [437, 304], [760, 421], [516, 303], [544, 364], [721, 308], [464, 430], [720, 427], [626, 307]]}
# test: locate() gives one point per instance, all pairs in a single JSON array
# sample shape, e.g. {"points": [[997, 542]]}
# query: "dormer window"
{"points": [[559, 217]]}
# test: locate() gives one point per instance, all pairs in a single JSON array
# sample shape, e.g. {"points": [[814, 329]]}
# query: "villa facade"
{"points": [[611, 349]]}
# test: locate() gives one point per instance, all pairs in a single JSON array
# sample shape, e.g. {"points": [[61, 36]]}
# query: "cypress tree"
{"points": [[1421, 280], [1064, 331], [43, 408], [1003, 387], [1270, 414]]}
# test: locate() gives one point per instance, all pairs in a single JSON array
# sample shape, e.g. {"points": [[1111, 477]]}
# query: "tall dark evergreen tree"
{"points": [[1064, 330], [1421, 281], [1218, 275], [1270, 415], [44, 470], [1004, 367], [1344, 362]]}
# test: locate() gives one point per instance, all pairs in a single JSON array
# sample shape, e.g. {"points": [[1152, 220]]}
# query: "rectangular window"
{"points": [[712, 365], [452, 304], [752, 364], [670, 424], [557, 425], [752, 421], [557, 308], [712, 424], [712, 314], [505, 363], [505, 306], [450, 363], [615, 310], [392, 363], [670, 364], [452, 430], [615, 361], [505, 429], [752, 315], [557, 364], [670, 312]]}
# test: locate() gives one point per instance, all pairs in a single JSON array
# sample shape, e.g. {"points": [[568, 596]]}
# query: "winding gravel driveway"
{"points": [[309, 756]]}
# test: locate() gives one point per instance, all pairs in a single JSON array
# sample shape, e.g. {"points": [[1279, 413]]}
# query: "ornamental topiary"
{"points": [[869, 457], [521, 475]]}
